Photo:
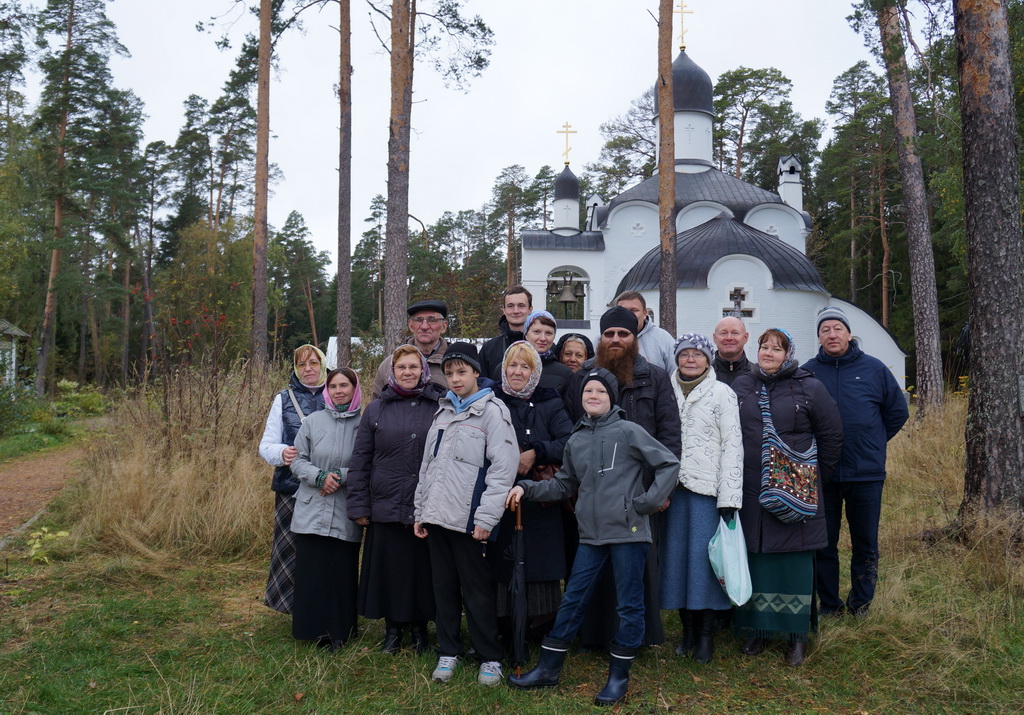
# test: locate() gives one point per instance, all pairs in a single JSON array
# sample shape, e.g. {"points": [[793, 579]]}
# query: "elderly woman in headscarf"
{"points": [[302, 397], [542, 427], [573, 350], [781, 401], [326, 540], [395, 582], [710, 486]]}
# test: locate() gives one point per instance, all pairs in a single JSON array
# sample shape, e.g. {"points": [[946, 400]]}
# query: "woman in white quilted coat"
{"points": [[710, 486]]}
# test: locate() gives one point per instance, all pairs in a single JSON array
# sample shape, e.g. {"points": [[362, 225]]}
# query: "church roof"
{"points": [[7, 328], [550, 241], [710, 185], [702, 246], [567, 186], [691, 86]]}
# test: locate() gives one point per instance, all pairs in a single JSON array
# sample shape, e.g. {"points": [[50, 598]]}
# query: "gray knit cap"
{"points": [[695, 341], [831, 312]]}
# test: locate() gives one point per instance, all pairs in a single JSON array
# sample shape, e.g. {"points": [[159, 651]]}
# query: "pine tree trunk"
{"points": [[929, 383], [396, 241], [126, 318], [259, 230], [883, 233], [853, 239], [666, 172], [994, 473], [343, 320]]}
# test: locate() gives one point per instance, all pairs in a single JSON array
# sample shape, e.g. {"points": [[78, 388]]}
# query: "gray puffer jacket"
{"points": [[324, 441], [604, 464], [469, 465]]}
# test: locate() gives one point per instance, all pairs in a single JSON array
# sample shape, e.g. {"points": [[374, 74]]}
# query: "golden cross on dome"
{"points": [[566, 130], [683, 12]]}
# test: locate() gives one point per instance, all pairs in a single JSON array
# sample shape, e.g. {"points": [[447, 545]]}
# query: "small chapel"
{"points": [[740, 249]]}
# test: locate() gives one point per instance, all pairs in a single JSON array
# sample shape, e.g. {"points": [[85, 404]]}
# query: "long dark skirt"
{"points": [[395, 582], [326, 578], [687, 580], [281, 581], [782, 605]]}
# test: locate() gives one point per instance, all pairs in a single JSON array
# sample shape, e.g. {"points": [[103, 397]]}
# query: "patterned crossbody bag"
{"points": [[789, 479]]}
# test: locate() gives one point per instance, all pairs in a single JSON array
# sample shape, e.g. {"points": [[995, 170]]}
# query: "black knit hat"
{"points": [[466, 352], [619, 317], [606, 378]]}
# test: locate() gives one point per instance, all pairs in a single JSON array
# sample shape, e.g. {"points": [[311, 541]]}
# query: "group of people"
{"points": [[620, 463]]}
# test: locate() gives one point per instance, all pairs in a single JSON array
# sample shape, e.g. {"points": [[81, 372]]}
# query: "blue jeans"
{"points": [[628, 569], [863, 512]]}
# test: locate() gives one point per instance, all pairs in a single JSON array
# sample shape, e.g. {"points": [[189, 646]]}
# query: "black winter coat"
{"points": [[385, 464], [310, 399], [802, 411], [541, 424], [727, 371], [494, 349]]}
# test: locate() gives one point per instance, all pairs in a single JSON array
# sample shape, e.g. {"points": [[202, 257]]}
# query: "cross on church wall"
{"points": [[638, 229]]}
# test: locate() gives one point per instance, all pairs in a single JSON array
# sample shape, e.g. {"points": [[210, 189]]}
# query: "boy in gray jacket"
{"points": [[468, 467], [604, 464]]}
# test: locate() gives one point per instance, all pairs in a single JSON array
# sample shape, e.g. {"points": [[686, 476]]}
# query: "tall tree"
{"points": [[929, 383], [742, 96], [343, 300], [994, 470], [259, 236], [629, 152], [666, 172]]}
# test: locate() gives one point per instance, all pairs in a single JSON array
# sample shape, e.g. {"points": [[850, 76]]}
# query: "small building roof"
{"points": [[698, 249], [12, 330], [551, 241]]}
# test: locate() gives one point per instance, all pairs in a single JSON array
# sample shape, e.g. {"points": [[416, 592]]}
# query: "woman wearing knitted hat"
{"points": [[710, 485], [780, 401], [539, 331]]}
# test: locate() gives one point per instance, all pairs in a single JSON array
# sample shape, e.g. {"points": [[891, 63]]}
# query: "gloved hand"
{"points": [[727, 513]]}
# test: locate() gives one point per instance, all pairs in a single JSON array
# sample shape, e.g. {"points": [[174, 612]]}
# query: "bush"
{"points": [[74, 400], [18, 405]]}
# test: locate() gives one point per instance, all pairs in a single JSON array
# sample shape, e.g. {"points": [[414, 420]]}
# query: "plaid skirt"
{"points": [[281, 582]]}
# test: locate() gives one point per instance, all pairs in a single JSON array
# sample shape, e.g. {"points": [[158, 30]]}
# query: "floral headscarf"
{"points": [[531, 384], [789, 365], [424, 376]]}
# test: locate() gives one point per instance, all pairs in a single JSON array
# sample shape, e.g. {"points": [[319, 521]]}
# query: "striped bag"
{"points": [[789, 479]]}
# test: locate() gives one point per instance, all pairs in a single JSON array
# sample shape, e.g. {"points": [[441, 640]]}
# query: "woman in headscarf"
{"points": [[710, 486], [539, 330], [542, 427], [573, 350], [781, 554], [326, 540], [395, 582], [302, 397]]}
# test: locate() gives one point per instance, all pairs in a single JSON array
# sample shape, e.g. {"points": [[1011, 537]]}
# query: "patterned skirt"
{"points": [[281, 582], [782, 605]]}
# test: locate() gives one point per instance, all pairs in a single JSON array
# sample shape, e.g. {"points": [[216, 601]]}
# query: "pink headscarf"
{"points": [[357, 396]]}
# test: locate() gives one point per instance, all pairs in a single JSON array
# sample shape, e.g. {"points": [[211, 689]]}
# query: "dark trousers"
{"points": [[627, 562], [863, 502], [462, 580]]}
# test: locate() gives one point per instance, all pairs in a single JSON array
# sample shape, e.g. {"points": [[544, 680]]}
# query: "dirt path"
{"points": [[27, 484]]}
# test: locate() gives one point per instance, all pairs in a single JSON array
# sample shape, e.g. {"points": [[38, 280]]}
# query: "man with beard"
{"points": [[646, 395]]}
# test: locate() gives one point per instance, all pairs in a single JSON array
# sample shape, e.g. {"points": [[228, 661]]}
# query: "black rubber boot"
{"points": [[393, 633], [706, 640], [549, 667], [619, 662], [418, 633], [689, 620]]}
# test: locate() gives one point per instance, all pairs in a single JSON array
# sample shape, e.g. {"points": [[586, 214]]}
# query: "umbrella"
{"points": [[517, 594]]}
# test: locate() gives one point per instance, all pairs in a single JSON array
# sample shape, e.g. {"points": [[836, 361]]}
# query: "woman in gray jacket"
{"points": [[326, 541]]}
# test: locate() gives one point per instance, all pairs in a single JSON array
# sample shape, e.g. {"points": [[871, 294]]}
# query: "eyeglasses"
{"points": [[616, 334], [304, 365], [433, 320]]}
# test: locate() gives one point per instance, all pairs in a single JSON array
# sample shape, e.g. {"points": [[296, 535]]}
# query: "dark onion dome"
{"points": [[567, 186], [710, 185], [691, 86], [699, 248]]}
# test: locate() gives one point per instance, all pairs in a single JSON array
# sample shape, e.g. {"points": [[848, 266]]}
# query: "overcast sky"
{"points": [[554, 61]]}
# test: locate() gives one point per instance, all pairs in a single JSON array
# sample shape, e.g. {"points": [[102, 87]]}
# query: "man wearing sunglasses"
{"points": [[428, 319], [646, 395]]}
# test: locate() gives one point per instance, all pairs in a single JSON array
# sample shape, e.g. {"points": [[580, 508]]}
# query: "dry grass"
{"points": [[180, 471]]}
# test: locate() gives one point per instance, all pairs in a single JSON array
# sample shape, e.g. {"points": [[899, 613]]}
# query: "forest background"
{"points": [[157, 237]]}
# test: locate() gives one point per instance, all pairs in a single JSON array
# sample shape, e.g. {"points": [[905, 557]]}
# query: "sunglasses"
{"points": [[616, 334]]}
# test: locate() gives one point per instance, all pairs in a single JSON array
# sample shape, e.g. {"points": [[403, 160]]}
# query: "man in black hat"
{"points": [[646, 395], [428, 319]]}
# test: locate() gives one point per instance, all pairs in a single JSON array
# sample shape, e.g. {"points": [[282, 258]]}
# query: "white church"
{"points": [[737, 246]]}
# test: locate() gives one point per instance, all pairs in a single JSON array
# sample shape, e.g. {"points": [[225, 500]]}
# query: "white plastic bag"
{"points": [[728, 553]]}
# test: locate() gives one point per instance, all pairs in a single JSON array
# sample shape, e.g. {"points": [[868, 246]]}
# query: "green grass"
{"points": [[17, 445]]}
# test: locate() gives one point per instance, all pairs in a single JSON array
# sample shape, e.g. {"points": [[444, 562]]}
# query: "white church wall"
{"points": [[693, 132], [632, 231], [779, 220], [873, 339], [699, 212]]}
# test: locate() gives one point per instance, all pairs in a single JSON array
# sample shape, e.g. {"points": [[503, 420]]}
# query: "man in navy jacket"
{"points": [[873, 410]]}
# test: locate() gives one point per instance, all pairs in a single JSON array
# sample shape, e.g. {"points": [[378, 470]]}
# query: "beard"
{"points": [[619, 363]]}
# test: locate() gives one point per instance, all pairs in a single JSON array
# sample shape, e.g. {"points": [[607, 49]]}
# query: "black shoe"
{"points": [[393, 635], [754, 646], [548, 669], [418, 634], [705, 649], [614, 691], [689, 640], [796, 653]]}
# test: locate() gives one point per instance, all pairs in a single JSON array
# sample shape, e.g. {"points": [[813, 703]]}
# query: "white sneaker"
{"points": [[490, 673], [445, 669]]}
